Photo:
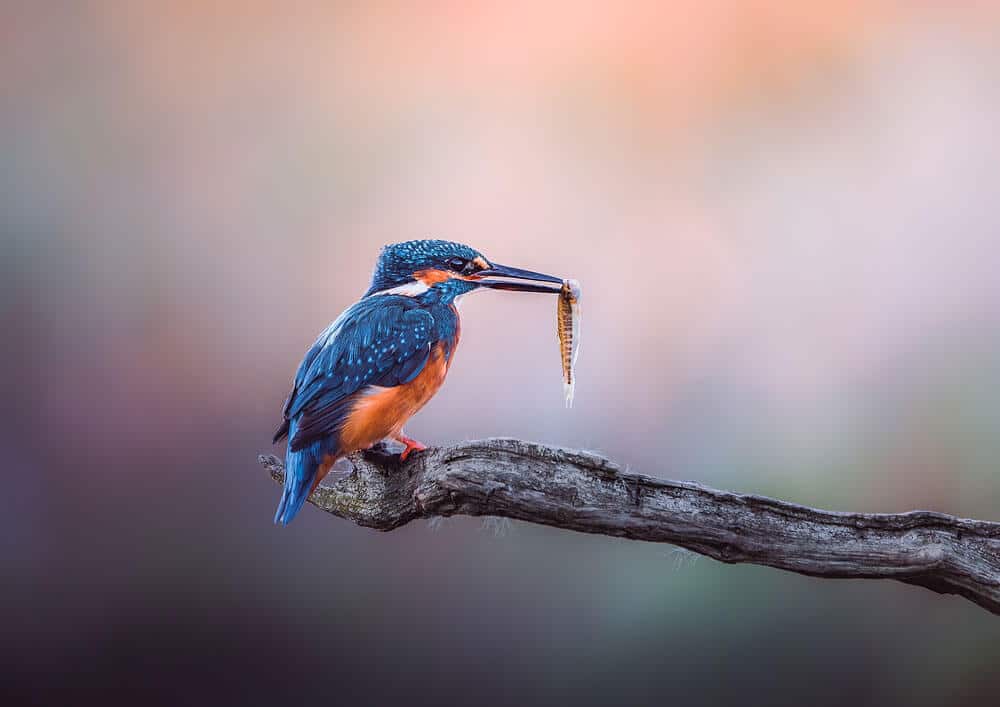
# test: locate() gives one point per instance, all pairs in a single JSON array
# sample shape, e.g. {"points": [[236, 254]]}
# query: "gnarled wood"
{"points": [[587, 493]]}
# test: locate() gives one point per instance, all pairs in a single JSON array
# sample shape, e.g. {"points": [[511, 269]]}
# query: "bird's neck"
{"points": [[428, 295]]}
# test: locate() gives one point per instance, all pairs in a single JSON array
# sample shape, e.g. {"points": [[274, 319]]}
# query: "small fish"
{"points": [[568, 328]]}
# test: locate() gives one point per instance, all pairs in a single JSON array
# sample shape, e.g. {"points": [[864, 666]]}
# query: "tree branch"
{"points": [[587, 493]]}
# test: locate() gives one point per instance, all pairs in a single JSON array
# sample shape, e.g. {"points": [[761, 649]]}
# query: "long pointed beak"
{"points": [[515, 280]]}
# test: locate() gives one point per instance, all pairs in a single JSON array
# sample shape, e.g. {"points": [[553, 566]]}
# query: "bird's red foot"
{"points": [[412, 445]]}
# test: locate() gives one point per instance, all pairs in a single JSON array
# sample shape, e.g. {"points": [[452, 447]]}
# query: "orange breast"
{"points": [[383, 412]]}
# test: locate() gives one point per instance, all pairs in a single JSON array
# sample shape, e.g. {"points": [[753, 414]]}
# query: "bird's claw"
{"points": [[412, 445]]}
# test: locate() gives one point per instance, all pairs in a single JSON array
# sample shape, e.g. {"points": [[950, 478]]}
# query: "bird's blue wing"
{"points": [[383, 340]]}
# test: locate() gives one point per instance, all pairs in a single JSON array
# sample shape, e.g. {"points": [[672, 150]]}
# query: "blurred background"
{"points": [[784, 216]]}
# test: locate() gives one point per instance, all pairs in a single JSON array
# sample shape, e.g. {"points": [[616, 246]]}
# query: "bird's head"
{"points": [[447, 270]]}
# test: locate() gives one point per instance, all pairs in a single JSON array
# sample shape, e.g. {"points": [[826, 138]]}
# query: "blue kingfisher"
{"points": [[384, 358]]}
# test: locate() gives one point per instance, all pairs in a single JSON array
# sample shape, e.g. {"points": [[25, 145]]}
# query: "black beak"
{"points": [[515, 278]]}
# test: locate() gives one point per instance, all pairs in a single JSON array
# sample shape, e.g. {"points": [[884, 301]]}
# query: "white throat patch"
{"points": [[410, 289], [458, 300]]}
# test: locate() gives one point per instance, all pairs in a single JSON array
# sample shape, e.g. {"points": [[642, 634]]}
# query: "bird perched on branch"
{"points": [[384, 358]]}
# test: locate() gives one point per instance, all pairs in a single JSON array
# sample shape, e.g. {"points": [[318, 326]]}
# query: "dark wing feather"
{"points": [[383, 340]]}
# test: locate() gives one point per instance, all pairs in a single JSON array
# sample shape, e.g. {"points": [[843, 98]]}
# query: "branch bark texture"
{"points": [[587, 493]]}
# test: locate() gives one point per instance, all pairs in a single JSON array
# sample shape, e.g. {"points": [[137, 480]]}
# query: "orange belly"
{"points": [[383, 412]]}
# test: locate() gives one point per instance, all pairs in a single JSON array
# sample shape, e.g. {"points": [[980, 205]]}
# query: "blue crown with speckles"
{"points": [[398, 261]]}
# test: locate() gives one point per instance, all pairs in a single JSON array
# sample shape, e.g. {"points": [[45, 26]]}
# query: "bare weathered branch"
{"points": [[587, 493]]}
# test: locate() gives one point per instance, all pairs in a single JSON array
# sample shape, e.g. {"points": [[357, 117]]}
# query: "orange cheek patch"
{"points": [[432, 277]]}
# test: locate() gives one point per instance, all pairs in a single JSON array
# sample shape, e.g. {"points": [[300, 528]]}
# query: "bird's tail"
{"points": [[301, 468]]}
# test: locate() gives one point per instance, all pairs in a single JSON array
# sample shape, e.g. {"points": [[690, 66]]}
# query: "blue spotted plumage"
{"points": [[382, 359]]}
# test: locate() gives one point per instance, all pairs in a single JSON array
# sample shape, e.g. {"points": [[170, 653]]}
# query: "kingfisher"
{"points": [[384, 358]]}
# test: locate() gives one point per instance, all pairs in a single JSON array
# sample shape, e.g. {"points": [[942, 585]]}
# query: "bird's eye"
{"points": [[458, 264]]}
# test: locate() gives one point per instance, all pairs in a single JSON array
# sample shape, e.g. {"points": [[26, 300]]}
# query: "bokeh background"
{"points": [[785, 219]]}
